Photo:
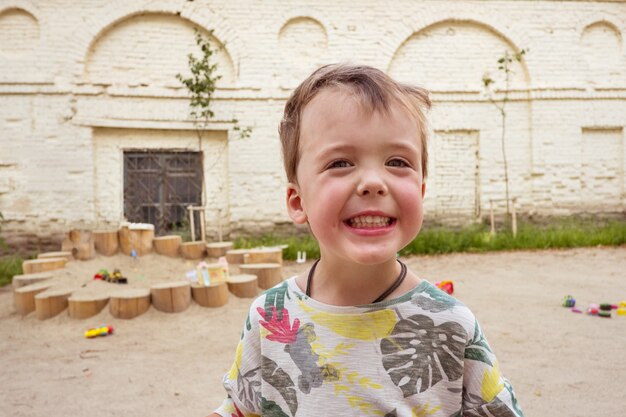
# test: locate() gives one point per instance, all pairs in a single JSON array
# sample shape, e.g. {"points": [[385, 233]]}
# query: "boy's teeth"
{"points": [[370, 221]]}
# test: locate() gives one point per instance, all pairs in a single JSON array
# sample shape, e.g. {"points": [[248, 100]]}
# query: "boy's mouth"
{"points": [[365, 222]]}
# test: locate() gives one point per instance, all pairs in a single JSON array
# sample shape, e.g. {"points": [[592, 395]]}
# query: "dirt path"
{"points": [[160, 364]]}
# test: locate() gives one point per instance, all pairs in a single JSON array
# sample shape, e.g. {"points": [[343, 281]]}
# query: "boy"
{"points": [[359, 334]]}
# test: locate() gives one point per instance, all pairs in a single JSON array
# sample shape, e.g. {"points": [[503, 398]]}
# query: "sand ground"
{"points": [[158, 364]]}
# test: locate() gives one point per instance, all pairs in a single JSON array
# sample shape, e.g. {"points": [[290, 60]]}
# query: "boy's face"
{"points": [[359, 179]]}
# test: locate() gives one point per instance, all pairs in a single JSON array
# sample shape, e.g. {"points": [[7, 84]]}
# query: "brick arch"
{"points": [[619, 25], [603, 53], [25, 40], [432, 56], [602, 22], [95, 29], [24, 6], [123, 55], [302, 44]]}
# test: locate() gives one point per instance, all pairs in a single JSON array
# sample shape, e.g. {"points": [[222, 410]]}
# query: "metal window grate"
{"points": [[159, 185]]}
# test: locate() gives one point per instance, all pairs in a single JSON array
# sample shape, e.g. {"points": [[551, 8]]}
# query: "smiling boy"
{"points": [[359, 334]]}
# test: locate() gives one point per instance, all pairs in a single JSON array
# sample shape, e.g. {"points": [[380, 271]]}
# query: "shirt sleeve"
{"points": [[485, 391], [243, 381]]}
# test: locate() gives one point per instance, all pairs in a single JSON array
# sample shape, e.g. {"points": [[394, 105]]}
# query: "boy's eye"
{"points": [[397, 162], [339, 164]]}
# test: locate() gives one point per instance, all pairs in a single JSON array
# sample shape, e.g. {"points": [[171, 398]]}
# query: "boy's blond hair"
{"points": [[376, 91]]}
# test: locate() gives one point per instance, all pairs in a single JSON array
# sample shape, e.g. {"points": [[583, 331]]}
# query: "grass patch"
{"points": [[9, 266], [561, 233], [296, 243], [550, 234]]}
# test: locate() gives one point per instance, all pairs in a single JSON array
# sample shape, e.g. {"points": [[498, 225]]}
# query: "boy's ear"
{"points": [[423, 189], [294, 204]]}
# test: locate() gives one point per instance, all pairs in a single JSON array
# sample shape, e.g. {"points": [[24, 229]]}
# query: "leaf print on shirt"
{"points": [[436, 302], [492, 383], [238, 411], [478, 349], [424, 411], [497, 408], [280, 329], [281, 381], [234, 370], [514, 402], [270, 409], [249, 387], [371, 325], [305, 359], [417, 353], [275, 297]]}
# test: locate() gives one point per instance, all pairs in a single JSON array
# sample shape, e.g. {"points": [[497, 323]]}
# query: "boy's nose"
{"points": [[372, 184]]}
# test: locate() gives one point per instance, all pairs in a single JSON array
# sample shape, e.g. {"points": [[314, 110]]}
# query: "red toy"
{"points": [[446, 286]]}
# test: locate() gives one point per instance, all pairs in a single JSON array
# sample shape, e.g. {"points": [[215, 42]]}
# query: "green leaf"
{"points": [[477, 355], [270, 409], [281, 381], [276, 297]]}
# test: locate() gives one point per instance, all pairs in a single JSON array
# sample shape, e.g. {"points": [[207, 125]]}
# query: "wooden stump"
{"points": [[83, 306], [171, 297], [51, 302], [24, 297], [264, 255], [137, 237], [243, 286], [129, 303], [32, 266], [193, 250], [167, 245], [217, 249], [80, 244], [215, 295], [47, 255], [235, 256], [267, 275], [106, 242], [29, 279]]}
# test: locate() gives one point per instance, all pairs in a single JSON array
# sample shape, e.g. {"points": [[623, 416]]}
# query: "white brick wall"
{"points": [[79, 81]]}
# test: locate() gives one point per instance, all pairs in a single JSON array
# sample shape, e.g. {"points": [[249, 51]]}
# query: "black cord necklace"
{"points": [[380, 298]]}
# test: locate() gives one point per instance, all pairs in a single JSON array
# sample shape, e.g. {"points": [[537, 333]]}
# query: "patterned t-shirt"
{"points": [[421, 354]]}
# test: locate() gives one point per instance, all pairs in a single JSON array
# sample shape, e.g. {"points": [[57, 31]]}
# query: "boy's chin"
{"points": [[372, 258]]}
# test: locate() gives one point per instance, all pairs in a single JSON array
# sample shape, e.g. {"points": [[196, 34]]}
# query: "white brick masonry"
{"points": [[82, 81]]}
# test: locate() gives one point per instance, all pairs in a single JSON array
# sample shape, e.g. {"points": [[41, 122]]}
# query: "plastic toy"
{"points": [[621, 311], [605, 313], [605, 307], [569, 301], [117, 278], [98, 331], [102, 274], [592, 311], [446, 286], [576, 310]]}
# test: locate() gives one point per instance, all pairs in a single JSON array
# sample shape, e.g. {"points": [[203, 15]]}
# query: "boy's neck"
{"points": [[341, 283]]}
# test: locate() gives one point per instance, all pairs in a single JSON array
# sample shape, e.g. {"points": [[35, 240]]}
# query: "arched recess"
{"points": [[303, 42], [454, 55], [601, 46], [19, 32], [149, 50], [465, 157]]}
